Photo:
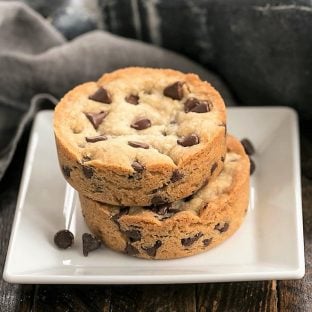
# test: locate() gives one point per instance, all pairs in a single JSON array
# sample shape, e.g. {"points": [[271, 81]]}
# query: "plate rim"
{"points": [[291, 273]]}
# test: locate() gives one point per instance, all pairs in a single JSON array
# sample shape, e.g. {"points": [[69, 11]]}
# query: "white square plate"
{"points": [[269, 245]]}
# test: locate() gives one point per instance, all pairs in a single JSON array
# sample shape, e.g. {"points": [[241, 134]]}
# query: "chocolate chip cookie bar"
{"points": [[141, 136], [183, 228]]}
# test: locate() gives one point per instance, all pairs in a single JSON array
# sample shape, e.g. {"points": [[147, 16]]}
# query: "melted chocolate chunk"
{"points": [[189, 140], [161, 209], [213, 168], [222, 227], [176, 176], [89, 243], [248, 146], [174, 91], [132, 99], [101, 95], [63, 239], [188, 198], [207, 242], [66, 171], [158, 200], [197, 106], [136, 144], [252, 166], [87, 171], [151, 251], [133, 235], [122, 211], [191, 240], [164, 211], [222, 158], [137, 166], [96, 138], [131, 250], [96, 118], [141, 124]]}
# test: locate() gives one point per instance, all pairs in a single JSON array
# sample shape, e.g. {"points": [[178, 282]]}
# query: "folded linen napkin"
{"points": [[36, 58]]}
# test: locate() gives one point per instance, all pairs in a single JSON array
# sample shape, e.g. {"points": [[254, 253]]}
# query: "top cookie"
{"points": [[141, 136]]}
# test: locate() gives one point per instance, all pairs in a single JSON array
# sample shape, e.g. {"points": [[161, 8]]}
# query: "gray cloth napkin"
{"points": [[35, 58]]}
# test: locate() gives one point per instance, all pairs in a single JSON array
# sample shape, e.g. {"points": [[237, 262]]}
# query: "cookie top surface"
{"points": [[153, 116]]}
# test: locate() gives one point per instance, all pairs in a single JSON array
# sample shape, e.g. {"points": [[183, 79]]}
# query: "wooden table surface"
{"points": [[272, 295]]}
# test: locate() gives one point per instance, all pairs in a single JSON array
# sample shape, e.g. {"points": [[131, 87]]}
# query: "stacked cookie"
{"points": [[148, 153]]}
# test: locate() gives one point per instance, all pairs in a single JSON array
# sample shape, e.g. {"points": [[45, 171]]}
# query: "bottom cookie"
{"points": [[183, 228]]}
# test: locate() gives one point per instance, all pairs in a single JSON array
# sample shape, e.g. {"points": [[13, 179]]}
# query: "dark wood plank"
{"points": [[240, 297], [161, 298], [12, 297], [297, 295], [115, 298], [71, 298]]}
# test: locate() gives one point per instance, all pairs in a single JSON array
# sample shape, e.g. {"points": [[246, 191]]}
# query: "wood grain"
{"points": [[297, 295], [13, 297], [115, 298], [240, 297]]}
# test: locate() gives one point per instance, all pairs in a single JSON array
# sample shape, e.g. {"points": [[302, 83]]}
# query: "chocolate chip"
{"points": [[190, 104], [89, 243], [222, 227], [188, 198], [131, 250], [96, 138], [189, 140], [122, 211], [158, 200], [132, 99], [141, 124], [222, 158], [151, 251], [197, 106], [191, 240], [87, 171], [137, 166], [96, 118], [248, 146], [213, 168], [252, 165], [101, 95], [207, 241], [138, 144], [63, 239], [66, 171], [133, 235], [164, 211], [176, 176], [161, 209], [174, 91]]}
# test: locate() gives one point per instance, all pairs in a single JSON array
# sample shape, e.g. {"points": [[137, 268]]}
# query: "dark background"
{"points": [[262, 49]]}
